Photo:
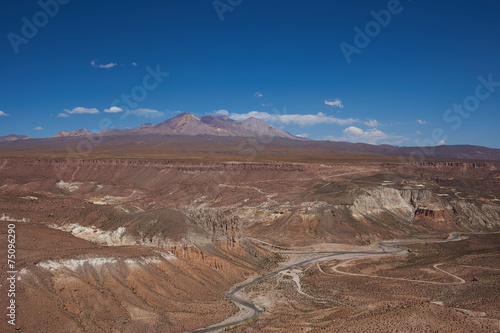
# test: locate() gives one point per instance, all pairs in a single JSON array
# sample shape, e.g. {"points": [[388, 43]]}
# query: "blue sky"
{"points": [[282, 61]]}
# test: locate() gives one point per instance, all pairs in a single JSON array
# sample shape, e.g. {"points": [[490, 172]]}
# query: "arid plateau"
{"points": [[198, 232]]}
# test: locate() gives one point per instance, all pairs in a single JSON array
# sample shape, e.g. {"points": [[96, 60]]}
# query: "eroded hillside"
{"points": [[126, 202], [160, 242]]}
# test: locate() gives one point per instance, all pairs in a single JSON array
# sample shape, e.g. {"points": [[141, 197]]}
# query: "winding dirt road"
{"points": [[346, 263], [387, 248]]}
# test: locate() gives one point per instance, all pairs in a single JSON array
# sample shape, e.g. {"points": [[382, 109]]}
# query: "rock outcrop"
{"points": [[411, 205], [176, 204]]}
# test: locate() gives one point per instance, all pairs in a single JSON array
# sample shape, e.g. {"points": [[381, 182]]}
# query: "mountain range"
{"points": [[13, 137], [221, 134], [189, 124]]}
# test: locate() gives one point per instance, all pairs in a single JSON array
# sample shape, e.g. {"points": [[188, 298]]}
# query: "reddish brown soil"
{"points": [[385, 305], [171, 295], [200, 215]]}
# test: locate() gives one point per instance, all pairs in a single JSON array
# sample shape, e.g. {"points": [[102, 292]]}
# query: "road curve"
{"points": [[387, 248], [336, 270]]}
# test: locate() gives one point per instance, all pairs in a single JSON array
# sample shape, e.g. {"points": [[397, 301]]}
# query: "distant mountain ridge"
{"points": [[189, 124], [189, 131], [13, 137]]}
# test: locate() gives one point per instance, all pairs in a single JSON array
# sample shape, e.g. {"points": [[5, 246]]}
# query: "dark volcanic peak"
{"points": [[221, 122], [13, 137], [208, 119], [80, 132]]}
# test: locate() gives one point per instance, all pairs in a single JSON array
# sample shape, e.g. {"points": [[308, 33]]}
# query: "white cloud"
{"points": [[372, 123], [300, 119], [81, 110], [106, 66], [134, 64], [147, 113], [305, 135], [442, 142], [38, 128], [113, 109], [421, 122], [62, 115], [3, 114], [418, 132], [222, 112], [258, 94], [337, 103], [355, 134], [264, 104]]}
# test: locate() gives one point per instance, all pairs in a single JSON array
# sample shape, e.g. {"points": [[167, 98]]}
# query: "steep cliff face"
{"points": [[188, 234], [427, 204], [411, 205], [376, 201], [477, 215], [221, 226], [65, 283]]}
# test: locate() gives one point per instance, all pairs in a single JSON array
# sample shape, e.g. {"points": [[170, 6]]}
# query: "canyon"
{"points": [[158, 243], [223, 166], [136, 236]]}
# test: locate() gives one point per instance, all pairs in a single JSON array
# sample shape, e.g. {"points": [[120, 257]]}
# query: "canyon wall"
{"points": [[178, 204]]}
